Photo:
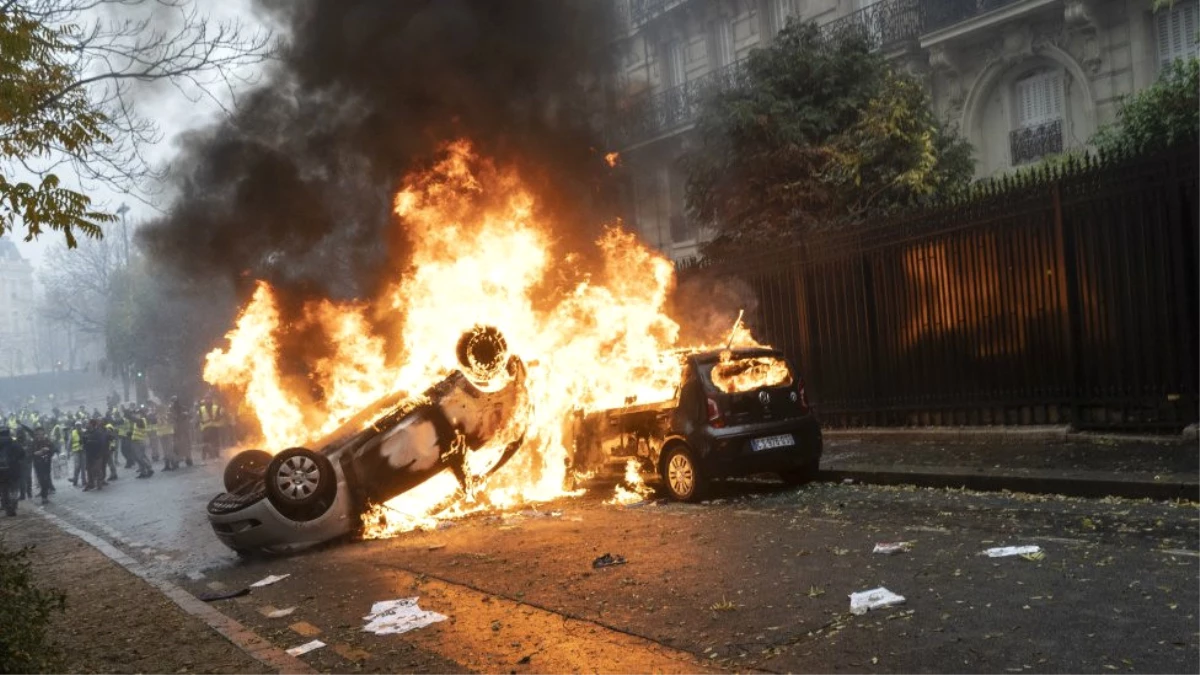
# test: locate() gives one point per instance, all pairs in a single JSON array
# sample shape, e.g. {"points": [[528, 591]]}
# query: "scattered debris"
{"points": [[392, 617], [305, 648], [279, 613], [268, 580], [435, 547], [1033, 557], [195, 575], [723, 606], [525, 659], [1005, 551], [892, 548], [876, 598], [223, 595], [608, 560]]}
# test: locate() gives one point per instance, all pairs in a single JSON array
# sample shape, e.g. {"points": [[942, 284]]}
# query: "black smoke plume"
{"points": [[296, 187]]}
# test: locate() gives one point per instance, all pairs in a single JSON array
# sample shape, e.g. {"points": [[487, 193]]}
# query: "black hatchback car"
{"points": [[736, 412]]}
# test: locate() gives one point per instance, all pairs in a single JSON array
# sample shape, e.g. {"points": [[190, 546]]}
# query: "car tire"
{"points": [[799, 476], [682, 477], [246, 468], [301, 483]]}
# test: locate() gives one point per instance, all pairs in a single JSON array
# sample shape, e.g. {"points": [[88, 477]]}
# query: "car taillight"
{"points": [[714, 415], [802, 403]]}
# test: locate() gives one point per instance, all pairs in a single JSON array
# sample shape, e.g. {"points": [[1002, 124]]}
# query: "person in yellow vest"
{"points": [[110, 454], [210, 428], [166, 438], [137, 437], [75, 441]]}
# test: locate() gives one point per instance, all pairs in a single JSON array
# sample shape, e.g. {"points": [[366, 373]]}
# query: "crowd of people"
{"points": [[90, 447]]}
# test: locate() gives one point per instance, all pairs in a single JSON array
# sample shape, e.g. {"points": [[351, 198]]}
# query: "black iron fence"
{"points": [[1044, 299]]}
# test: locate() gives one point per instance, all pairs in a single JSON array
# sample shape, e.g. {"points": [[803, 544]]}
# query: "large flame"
{"points": [[480, 255]]}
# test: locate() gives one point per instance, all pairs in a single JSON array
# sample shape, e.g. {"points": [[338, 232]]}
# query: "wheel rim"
{"points": [[680, 475], [298, 477]]}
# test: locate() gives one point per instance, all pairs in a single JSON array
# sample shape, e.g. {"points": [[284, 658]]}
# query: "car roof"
{"points": [[737, 352]]}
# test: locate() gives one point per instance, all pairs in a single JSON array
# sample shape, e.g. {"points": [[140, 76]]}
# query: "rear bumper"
{"points": [[729, 450], [260, 527]]}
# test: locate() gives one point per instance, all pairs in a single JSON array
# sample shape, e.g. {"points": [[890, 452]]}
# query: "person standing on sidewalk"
{"points": [[95, 447], [166, 437], [24, 439], [76, 438], [43, 453], [137, 437]]}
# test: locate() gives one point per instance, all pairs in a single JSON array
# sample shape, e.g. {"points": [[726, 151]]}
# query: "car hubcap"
{"points": [[679, 475], [298, 477]]}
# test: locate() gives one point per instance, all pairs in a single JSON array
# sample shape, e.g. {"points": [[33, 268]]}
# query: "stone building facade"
{"points": [[17, 311], [1019, 79]]}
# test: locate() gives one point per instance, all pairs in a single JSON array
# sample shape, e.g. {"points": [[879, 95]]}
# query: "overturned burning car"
{"points": [[306, 495]]}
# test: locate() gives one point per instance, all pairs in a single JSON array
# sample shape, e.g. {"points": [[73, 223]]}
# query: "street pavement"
{"points": [[757, 579]]}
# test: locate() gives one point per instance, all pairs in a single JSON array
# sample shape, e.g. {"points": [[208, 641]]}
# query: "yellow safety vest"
{"points": [[139, 430], [76, 441], [209, 416]]}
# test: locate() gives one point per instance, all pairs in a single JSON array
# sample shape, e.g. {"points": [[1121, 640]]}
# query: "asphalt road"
{"points": [[757, 580]]}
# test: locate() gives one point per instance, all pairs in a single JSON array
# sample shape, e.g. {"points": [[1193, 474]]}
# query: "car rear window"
{"points": [[732, 374]]}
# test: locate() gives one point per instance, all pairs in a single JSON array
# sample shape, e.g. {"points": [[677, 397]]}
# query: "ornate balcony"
{"points": [[939, 14], [642, 11], [1033, 143], [885, 24], [651, 115]]}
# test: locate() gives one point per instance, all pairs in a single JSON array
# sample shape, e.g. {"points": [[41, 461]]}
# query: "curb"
{"points": [[1003, 435], [243, 638], [1030, 484]]}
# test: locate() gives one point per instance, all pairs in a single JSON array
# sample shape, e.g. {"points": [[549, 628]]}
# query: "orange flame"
{"points": [[481, 254], [732, 375], [612, 159]]}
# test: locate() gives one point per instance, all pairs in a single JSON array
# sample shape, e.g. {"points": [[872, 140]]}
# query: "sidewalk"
{"points": [[153, 634], [1104, 466]]}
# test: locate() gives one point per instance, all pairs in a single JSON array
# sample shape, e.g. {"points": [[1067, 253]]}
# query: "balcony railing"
{"points": [[1032, 143], [651, 115], [885, 24], [641, 11], [937, 14]]}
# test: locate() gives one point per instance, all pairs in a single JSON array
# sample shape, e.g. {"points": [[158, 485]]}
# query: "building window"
{"points": [[1177, 29], [778, 12], [721, 43], [1039, 128], [675, 64]]}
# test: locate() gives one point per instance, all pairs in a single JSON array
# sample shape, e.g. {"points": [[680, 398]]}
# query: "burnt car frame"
{"points": [[705, 432], [304, 496]]}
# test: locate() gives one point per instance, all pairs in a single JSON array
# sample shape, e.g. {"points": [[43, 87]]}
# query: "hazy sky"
{"points": [[174, 113]]}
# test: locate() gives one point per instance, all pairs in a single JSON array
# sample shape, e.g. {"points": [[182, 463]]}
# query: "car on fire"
{"points": [[307, 495], [735, 412]]}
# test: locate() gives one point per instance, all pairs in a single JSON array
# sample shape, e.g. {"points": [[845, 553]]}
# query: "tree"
{"points": [[820, 132], [40, 115], [98, 63], [1161, 115]]}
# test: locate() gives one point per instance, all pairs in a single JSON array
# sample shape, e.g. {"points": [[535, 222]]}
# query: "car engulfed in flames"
{"points": [[463, 426]]}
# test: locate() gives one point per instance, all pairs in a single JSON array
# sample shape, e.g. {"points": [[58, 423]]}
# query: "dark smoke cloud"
{"points": [[296, 188]]}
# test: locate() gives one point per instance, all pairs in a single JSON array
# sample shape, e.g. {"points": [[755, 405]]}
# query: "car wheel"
{"points": [[300, 483], [245, 469], [681, 476], [799, 476]]}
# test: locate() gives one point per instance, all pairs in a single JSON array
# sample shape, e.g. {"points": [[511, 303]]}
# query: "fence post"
{"points": [[1068, 300]]}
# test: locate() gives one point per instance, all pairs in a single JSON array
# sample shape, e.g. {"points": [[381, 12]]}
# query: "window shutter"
{"points": [[1039, 99], [1177, 32], [722, 43], [674, 65]]}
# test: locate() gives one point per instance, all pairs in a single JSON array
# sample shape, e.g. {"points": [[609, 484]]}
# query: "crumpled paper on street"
{"points": [[876, 598], [305, 648], [270, 579], [1005, 551], [391, 617], [280, 613]]}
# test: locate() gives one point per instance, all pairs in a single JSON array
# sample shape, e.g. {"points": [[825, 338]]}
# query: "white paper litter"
{"points": [[391, 617], [280, 613], [270, 579], [305, 648], [876, 598], [1005, 551], [892, 548]]}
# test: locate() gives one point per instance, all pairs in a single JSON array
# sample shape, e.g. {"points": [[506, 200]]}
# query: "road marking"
{"points": [[256, 647]]}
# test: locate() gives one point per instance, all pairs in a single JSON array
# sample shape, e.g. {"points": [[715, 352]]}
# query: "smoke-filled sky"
{"points": [[296, 188]]}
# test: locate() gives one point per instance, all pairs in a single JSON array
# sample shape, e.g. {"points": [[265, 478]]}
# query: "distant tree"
{"points": [[1163, 114], [819, 131]]}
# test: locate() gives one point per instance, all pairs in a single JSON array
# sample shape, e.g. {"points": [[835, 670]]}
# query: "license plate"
{"points": [[771, 442]]}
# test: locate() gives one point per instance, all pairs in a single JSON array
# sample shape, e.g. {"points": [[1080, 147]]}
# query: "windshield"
{"points": [[732, 375]]}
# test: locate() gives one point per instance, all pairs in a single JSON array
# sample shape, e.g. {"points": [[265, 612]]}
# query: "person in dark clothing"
{"points": [[25, 468], [10, 457], [43, 451], [182, 436], [95, 451]]}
